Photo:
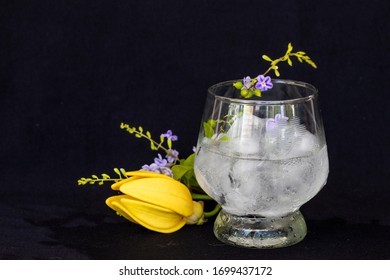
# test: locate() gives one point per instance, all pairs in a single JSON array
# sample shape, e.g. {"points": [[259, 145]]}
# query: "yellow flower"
{"points": [[155, 201]]}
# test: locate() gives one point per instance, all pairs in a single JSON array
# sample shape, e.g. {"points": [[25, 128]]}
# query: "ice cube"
{"points": [[244, 136], [305, 144], [246, 126], [245, 177], [241, 146], [212, 170]]}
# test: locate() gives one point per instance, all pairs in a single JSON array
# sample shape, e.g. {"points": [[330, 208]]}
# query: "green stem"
{"points": [[213, 212], [201, 196], [157, 145], [102, 181]]}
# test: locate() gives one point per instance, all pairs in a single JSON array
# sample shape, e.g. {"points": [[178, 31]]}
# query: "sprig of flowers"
{"points": [[163, 196], [181, 169], [255, 86], [165, 138], [160, 165]]}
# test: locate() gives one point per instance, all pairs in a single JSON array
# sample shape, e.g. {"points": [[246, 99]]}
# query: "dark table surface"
{"points": [[78, 225]]}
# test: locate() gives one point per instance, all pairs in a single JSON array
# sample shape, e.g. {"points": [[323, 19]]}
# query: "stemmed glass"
{"points": [[261, 159]]}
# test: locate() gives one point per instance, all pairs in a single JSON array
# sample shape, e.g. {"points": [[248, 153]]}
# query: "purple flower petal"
{"points": [[160, 161], [172, 156], [247, 81], [270, 124], [280, 118], [263, 83], [275, 122], [166, 171], [153, 167], [169, 135]]}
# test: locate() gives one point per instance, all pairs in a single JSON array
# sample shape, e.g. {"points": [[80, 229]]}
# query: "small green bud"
{"points": [[266, 57], [257, 92], [246, 93], [238, 85]]}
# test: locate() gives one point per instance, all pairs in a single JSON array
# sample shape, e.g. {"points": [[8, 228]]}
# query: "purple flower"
{"points": [[169, 135], [263, 83], [247, 81], [160, 161], [172, 155], [277, 121], [280, 119], [158, 169], [166, 171], [153, 167]]}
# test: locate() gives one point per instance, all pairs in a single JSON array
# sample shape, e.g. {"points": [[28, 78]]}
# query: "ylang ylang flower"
{"points": [[156, 202]]}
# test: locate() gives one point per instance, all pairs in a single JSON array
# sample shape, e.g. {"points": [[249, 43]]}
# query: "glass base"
{"points": [[260, 232]]}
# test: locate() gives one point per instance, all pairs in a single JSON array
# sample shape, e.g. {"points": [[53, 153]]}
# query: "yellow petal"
{"points": [[167, 193], [152, 217], [114, 203], [147, 174], [138, 175], [116, 185]]}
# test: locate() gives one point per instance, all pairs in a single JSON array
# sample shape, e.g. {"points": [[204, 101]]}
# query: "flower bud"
{"points": [[197, 218], [156, 202]]}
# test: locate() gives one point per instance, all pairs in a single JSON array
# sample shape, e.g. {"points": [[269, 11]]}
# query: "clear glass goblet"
{"points": [[261, 159]]}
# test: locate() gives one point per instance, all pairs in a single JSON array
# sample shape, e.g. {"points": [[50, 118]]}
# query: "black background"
{"points": [[72, 71]]}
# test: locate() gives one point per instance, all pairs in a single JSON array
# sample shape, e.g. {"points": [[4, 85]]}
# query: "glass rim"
{"points": [[266, 102]]}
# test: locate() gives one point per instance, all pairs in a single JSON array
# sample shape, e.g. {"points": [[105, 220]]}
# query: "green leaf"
{"points": [[180, 170], [224, 138], [192, 182], [188, 177], [213, 123], [189, 161], [208, 129]]}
